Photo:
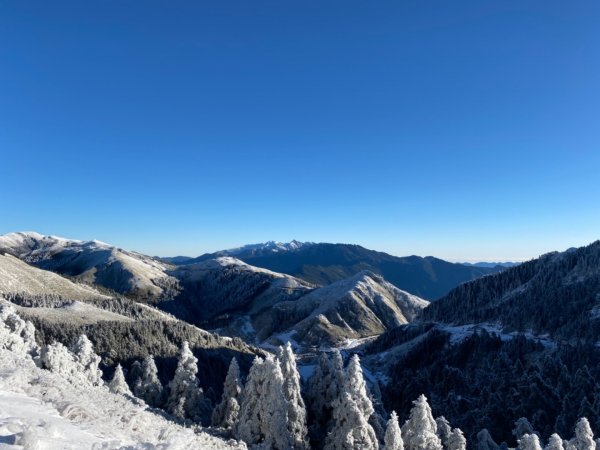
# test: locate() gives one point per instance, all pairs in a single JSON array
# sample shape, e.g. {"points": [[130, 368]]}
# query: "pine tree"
{"points": [[443, 430], [324, 388], [226, 413], [352, 430], [485, 441], [291, 391], [148, 386], [118, 385], [263, 412], [522, 426], [584, 438], [529, 442], [555, 443], [420, 430], [393, 434], [456, 440], [83, 351], [355, 385], [185, 394], [16, 334]]}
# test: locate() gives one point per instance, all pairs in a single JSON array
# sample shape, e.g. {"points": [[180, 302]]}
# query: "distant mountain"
{"points": [[492, 264], [92, 262], [246, 251], [322, 264]]}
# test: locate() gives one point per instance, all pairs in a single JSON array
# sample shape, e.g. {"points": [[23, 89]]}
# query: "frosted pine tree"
{"points": [[83, 351], [443, 430], [393, 434], [323, 389], [226, 413], [352, 431], [485, 441], [248, 428], [529, 442], [148, 387], [456, 440], [58, 359], [295, 404], [355, 385], [16, 334], [263, 413], [584, 438], [420, 430], [522, 426], [185, 395], [555, 442], [351, 413], [118, 385]]}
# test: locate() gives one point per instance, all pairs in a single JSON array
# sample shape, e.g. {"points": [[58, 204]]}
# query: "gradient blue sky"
{"points": [[468, 130]]}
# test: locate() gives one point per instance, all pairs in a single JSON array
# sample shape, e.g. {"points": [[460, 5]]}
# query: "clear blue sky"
{"points": [[469, 130]]}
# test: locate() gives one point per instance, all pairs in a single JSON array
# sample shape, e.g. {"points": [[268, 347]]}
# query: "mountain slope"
{"points": [[556, 294], [222, 286], [322, 264], [92, 262], [17, 276], [362, 306]]}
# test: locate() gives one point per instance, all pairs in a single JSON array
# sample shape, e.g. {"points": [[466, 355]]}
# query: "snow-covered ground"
{"points": [[461, 332], [41, 410], [17, 276]]}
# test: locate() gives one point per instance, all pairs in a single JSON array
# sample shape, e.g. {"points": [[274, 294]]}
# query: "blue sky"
{"points": [[468, 130]]}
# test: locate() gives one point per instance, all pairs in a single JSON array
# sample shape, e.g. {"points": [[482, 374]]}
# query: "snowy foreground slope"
{"points": [[40, 409]]}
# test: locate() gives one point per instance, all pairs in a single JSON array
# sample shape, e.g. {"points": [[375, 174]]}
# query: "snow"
{"points": [[44, 411], [19, 277], [74, 313], [89, 256], [270, 246], [460, 332]]}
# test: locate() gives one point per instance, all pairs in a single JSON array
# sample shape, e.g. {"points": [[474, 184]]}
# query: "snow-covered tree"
{"points": [[264, 411], [324, 387], [443, 430], [529, 442], [226, 413], [420, 430], [485, 441], [118, 385], [186, 398], [393, 434], [16, 334], [352, 430], [456, 440], [355, 385], [584, 437], [147, 386], [135, 376], [58, 359], [522, 426], [555, 442], [296, 413], [83, 350]]}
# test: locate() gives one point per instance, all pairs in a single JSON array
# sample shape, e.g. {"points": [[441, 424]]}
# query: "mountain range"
{"points": [[322, 264], [496, 344]]}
